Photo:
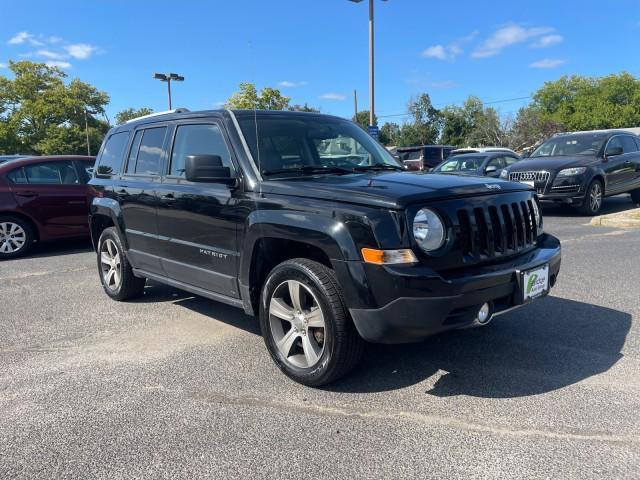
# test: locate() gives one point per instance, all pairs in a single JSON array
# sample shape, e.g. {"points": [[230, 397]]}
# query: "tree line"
{"points": [[41, 112]]}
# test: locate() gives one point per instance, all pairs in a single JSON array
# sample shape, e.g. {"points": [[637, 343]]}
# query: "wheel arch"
{"points": [[105, 213], [35, 227]]}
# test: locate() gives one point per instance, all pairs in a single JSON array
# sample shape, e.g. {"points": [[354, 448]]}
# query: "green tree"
{"points": [[390, 134], [362, 119], [303, 108], [131, 113], [425, 124], [248, 98], [40, 113], [585, 103]]}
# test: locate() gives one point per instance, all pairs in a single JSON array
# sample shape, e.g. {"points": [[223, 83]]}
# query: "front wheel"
{"points": [[593, 198], [306, 325]]}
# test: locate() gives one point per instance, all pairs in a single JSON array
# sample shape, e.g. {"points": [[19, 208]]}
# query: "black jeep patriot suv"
{"points": [[306, 221]]}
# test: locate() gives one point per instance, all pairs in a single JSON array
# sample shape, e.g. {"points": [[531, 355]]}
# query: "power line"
{"points": [[492, 102]]}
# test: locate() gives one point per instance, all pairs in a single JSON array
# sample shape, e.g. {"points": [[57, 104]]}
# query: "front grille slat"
{"points": [[475, 235], [540, 179]]}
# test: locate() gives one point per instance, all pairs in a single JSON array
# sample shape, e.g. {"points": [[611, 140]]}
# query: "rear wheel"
{"points": [[16, 237], [306, 325], [115, 271], [593, 198]]}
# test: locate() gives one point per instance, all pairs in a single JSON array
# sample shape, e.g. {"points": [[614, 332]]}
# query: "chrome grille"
{"points": [[540, 179]]}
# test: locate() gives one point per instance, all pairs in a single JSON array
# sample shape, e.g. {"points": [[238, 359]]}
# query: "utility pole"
{"points": [[86, 130], [372, 115], [355, 105]]}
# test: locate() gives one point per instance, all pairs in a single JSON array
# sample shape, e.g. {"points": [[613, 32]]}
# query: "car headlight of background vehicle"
{"points": [[428, 230], [571, 172], [504, 174], [537, 213]]}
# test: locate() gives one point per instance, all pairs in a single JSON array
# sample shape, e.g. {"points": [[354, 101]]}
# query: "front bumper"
{"points": [[450, 301]]}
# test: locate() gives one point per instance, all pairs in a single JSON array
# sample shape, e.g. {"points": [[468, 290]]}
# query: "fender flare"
{"points": [[108, 207]]}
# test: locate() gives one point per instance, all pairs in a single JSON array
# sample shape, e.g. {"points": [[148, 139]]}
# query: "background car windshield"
{"points": [[278, 143], [570, 145], [409, 154], [460, 164]]}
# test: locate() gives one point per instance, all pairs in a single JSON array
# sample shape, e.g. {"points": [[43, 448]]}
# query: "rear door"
{"points": [[631, 161], [199, 221], [54, 194], [136, 194]]}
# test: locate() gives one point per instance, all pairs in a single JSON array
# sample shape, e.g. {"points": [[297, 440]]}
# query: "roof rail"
{"points": [[156, 114]]}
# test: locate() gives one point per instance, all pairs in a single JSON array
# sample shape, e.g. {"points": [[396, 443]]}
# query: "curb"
{"points": [[626, 219]]}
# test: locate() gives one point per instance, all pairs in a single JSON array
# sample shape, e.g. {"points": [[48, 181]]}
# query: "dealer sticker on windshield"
{"points": [[535, 283]]}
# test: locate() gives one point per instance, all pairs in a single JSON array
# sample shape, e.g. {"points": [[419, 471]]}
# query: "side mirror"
{"points": [[207, 168], [613, 151], [491, 169]]}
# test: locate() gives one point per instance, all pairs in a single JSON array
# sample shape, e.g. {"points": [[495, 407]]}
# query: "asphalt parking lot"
{"points": [[175, 386]]}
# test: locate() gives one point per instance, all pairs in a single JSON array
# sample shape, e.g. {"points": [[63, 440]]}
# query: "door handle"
{"points": [[26, 194]]}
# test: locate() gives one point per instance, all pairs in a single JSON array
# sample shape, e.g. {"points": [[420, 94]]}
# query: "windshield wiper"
{"points": [[378, 167], [308, 169]]}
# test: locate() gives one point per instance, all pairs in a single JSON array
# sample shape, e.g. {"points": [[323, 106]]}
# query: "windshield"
{"points": [[307, 145], [564, 145], [410, 154], [460, 164]]}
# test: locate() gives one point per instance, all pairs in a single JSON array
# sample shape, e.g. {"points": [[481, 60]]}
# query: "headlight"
{"points": [[538, 215], [571, 172], [504, 174], [428, 230]]}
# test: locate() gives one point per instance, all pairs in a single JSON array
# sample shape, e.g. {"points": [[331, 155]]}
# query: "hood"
{"points": [[389, 189], [552, 164]]}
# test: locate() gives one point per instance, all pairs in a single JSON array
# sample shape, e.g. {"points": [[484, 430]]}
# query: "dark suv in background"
{"points": [[257, 210], [580, 169]]}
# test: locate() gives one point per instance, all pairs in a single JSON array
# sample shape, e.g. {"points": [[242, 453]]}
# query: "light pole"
{"points": [[371, 63], [168, 77]]}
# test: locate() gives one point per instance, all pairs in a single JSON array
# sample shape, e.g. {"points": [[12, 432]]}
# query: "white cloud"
{"points": [[57, 63], [81, 51], [3, 65], [547, 63], [290, 84], [19, 38], [507, 36], [548, 40], [436, 51], [49, 54], [450, 51], [333, 96]]}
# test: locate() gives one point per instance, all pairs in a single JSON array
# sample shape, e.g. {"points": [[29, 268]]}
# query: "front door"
{"points": [[615, 166], [198, 221], [135, 191]]}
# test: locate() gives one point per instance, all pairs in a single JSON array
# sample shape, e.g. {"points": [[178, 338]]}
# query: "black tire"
{"points": [[123, 285], [15, 245], [591, 207], [635, 196], [342, 346]]}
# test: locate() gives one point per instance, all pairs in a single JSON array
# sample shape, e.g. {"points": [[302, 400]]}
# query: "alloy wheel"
{"points": [[595, 197], [12, 237], [110, 264], [297, 324]]}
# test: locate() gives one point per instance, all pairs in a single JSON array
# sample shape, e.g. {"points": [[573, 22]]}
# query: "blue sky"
{"points": [[316, 51]]}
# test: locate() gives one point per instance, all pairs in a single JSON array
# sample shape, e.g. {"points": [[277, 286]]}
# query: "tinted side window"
{"points": [[615, 142], [86, 170], [110, 160], [150, 152], [628, 145], [495, 162], [52, 173], [17, 176], [197, 140], [637, 142], [133, 153], [510, 160]]}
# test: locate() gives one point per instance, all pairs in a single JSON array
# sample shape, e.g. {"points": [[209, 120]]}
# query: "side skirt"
{"points": [[235, 302]]}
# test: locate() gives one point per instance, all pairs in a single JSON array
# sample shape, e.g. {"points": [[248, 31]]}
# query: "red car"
{"points": [[41, 199]]}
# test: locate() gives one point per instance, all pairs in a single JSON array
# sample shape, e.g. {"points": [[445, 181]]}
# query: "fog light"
{"points": [[484, 313]]}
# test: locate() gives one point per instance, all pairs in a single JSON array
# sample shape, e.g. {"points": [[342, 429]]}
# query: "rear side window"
{"points": [[50, 173], [197, 140], [149, 154], [628, 145], [17, 176], [110, 160]]}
